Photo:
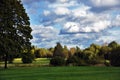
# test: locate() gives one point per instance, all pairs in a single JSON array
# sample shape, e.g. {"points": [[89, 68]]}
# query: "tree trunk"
{"points": [[6, 57]]}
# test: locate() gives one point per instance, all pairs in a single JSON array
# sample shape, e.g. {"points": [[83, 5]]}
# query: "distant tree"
{"points": [[43, 52], [105, 51], [51, 50], [72, 51], [37, 53], [114, 57], [66, 52], [95, 48], [49, 54], [88, 54], [15, 31], [78, 50], [58, 51], [113, 45]]}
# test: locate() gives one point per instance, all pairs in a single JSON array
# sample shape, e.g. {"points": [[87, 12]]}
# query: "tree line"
{"points": [[107, 55]]}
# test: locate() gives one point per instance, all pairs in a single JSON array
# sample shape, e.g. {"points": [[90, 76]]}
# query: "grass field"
{"points": [[60, 73], [37, 62]]}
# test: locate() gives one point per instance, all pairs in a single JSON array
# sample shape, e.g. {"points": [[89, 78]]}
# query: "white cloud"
{"points": [[46, 12], [101, 3], [116, 21], [71, 27], [62, 11], [89, 23], [63, 1], [66, 3], [101, 25], [39, 31], [112, 35], [81, 11]]}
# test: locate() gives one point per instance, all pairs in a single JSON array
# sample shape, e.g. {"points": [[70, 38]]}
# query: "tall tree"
{"points": [[15, 31], [58, 50]]}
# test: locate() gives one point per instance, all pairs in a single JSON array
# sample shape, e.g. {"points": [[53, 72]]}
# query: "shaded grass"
{"points": [[61, 73], [37, 62]]}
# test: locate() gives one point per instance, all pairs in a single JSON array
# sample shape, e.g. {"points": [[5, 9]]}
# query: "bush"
{"points": [[73, 61], [27, 57], [57, 61], [107, 62]]}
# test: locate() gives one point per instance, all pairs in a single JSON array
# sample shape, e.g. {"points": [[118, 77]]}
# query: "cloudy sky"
{"points": [[73, 22]]}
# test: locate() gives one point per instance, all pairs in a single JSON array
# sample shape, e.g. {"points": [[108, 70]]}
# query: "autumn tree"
{"points": [[72, 51], [66, 52], [15, 31]]}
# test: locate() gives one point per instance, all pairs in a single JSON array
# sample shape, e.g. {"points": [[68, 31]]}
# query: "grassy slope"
{"points": [[61, 73]]}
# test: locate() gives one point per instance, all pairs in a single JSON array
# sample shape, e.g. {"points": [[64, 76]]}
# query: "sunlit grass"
{"points": [[61, 73], [17, 62]]}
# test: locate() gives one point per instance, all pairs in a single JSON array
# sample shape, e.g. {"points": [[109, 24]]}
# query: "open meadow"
{"points": [[60, 73]]}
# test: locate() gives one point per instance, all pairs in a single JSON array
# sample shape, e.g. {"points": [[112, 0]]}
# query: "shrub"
{"points": [[107, 62], [27, 58], [57, 61], [73, 61]]}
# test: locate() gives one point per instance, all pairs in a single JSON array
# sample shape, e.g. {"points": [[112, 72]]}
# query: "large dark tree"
{"points": [[115, 57], [58, 51], [15, 31]]}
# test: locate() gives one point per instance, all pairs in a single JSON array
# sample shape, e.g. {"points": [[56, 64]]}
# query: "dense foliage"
{"points": [[105, 55], [57, 61], [15, 31], [27, 57]]}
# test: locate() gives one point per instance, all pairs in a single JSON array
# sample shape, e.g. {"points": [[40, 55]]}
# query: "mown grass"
{"points": [[37, 62], [61, 73]]}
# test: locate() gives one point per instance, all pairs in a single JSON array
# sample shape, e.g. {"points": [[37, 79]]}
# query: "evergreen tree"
{"points": [[15, 31], [58, 50]]}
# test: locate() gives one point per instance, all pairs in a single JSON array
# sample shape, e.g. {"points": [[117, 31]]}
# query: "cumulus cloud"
{"points": [[72, 27], [116, 21], [106, 3], [44, 31], [43, 34], [62, 11], [102, 5], [73, 22], [46, 12]]}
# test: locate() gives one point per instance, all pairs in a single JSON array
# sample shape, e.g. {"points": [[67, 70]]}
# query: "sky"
{"points": [[73, 22]]}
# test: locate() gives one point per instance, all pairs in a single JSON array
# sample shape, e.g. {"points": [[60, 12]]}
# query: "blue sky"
{"points": [[73, 22]]}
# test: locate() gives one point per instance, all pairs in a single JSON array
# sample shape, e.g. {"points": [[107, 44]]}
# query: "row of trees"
{"points": [[108, 54]]}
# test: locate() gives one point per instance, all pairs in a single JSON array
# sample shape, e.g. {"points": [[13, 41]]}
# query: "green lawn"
{"points": [[60, 73], [37, 62]]}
